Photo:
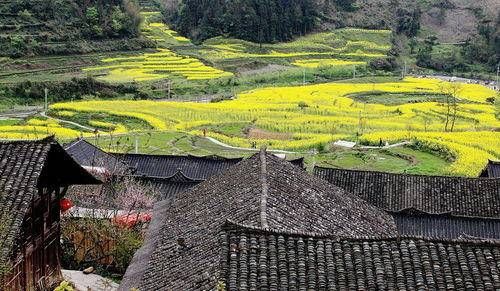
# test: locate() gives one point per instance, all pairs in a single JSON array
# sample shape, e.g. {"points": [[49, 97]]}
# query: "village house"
{"points": [[427, 206], [492, 170], [34, 177], [268, 225], [262, 222], [169, 174]]}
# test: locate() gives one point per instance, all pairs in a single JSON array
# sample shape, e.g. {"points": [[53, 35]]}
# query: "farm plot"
{"points": [[154, 66], [162, 64], [158, 31], [179, 58], [311, 117], [336, 48]]}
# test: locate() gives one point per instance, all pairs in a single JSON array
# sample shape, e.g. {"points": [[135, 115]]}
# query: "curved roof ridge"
{"points": [[415, 211], [213, 157], [179, 174], [404, 174], [207, 157], [73, 143], [235, 226]]}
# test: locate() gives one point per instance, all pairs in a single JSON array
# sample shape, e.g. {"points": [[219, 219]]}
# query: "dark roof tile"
{"points": [[161, 166], [25, 166], [446, 226], [255, 259], [492, 170], [432, 194], [263, 191], [89, 155]]}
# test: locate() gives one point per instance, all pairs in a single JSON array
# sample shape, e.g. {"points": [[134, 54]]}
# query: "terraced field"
{"points": [[456, 121], [310, 117], [178, 58]]}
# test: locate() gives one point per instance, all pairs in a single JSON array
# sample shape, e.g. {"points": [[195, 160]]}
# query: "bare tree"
{"points": [[93, 233], [452, 91]]}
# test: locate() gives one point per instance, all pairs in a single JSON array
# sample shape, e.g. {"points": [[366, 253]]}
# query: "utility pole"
{"points": [[136, 145], [354, 72], [304, 77], [46, 106], [498, 73]]}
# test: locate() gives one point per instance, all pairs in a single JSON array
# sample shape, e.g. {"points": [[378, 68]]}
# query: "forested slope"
{"points": [[67, 26]]}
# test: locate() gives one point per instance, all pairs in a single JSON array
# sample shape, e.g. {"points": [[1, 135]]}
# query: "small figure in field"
{"points": [[204, 132], [380, 143]]}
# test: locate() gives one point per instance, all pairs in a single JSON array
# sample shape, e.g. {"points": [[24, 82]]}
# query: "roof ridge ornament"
{"points": [[265, 188]]}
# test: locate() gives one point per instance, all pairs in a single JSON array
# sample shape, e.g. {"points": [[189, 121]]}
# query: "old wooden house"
{"points": [[492, 170], [170, 174], [267, 225], [34, 176], [428, 206]]}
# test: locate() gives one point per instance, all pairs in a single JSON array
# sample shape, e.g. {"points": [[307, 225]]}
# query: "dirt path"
{"points": [[92, 282], [245, 149], [395, 145], [44, 114]]}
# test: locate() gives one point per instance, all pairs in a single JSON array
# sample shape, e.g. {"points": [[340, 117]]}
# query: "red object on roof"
{"points": [[65, 204], [132, 219]]}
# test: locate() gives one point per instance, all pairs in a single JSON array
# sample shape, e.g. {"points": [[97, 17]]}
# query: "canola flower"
{"points": [[108, 126], [159, 31], [66, 113], [162, 64], [470, 150], [317, 63], [357, 44], [155, 66], [37, 131], [315, 115]]}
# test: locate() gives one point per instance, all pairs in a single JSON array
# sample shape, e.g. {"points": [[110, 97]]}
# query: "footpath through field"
{"points": [[44, 114], [245, 149], [91, 282]]}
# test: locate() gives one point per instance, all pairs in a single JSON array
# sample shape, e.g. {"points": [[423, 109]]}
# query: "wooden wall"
{"points": [[37, 256]]}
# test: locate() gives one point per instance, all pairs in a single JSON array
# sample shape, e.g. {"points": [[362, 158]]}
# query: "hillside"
{"points": [[466, 34], [450, 20], [67, 26]]}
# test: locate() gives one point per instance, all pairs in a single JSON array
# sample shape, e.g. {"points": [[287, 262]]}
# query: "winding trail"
{"points": [[44, 114], [213, 140], [395, 145]]}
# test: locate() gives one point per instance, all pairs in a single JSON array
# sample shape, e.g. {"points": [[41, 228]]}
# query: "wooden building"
{"points": [[34, 176], [170, 174], [428, 206], [492, 170], [267, 225]]}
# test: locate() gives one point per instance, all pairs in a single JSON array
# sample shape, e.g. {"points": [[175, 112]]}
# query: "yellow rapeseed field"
{"points": [[337, 48], [318, 114], [154, 66], [316, 63]]}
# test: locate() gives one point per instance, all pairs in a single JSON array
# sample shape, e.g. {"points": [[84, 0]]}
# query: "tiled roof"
{"points": [[25, 166], [299, 162], [161, 166], [445, 226], [169, 187], [263, 191], [492, 170], [254, 259], [89, 155], [431, 194]]}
